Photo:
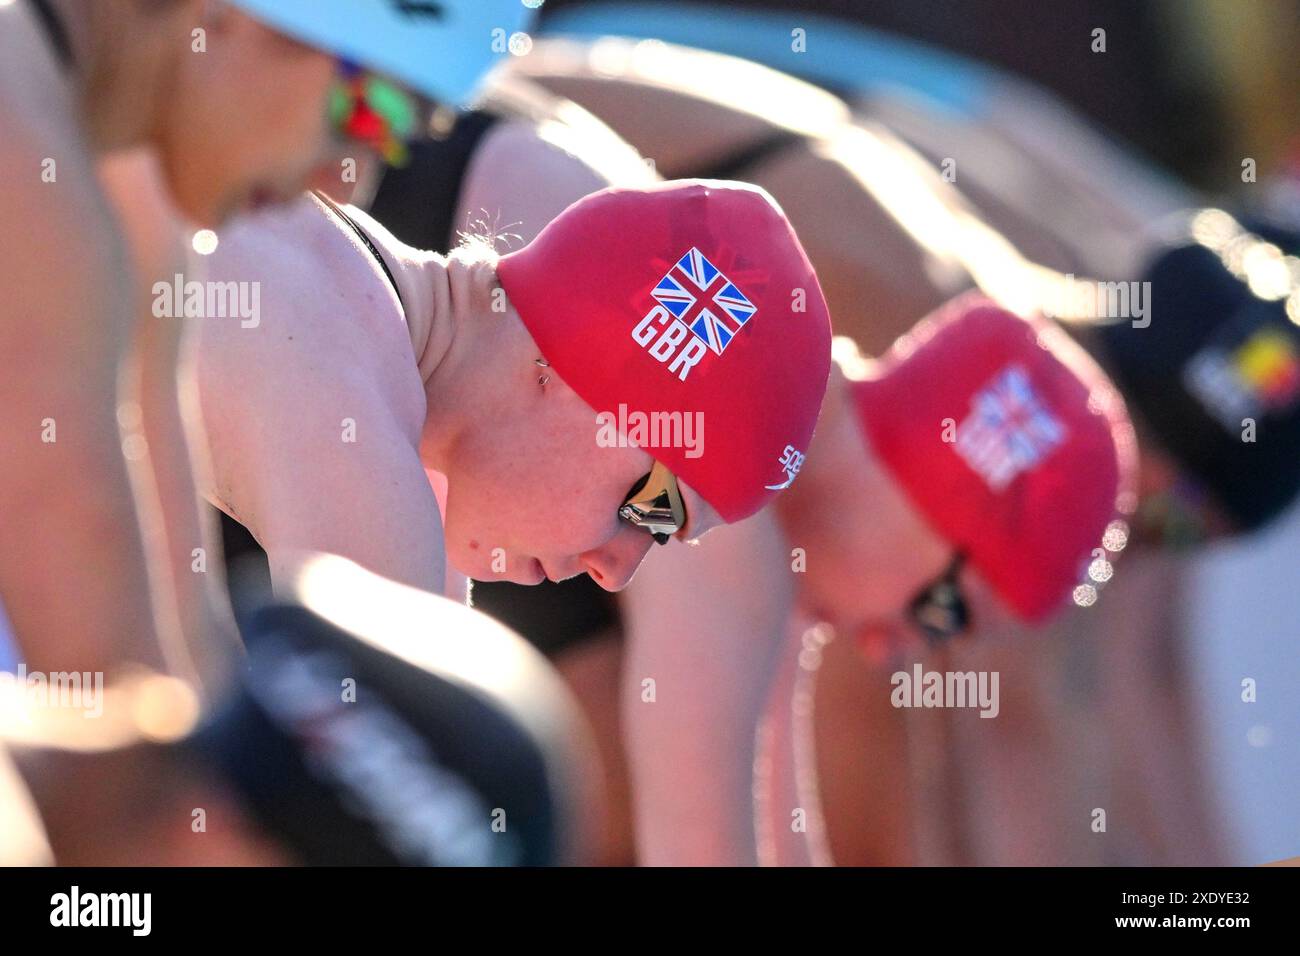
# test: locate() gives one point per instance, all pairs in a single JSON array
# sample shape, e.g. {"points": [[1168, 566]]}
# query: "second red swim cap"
{"points": [[1009, 440], [688, 296]]}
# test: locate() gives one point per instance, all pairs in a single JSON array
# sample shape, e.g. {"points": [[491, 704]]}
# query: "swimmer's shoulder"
{"points": [[326, 324], [401, 265], [310, 270]]}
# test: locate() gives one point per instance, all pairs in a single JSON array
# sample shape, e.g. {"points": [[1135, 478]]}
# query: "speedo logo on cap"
{"points": [[699, 310], [791, 461], [1009, 429], [1261, 375]]}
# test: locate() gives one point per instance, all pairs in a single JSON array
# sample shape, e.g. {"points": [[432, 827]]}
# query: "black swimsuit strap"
{"points": [[54, 29], [733, 164], [366, 241]]}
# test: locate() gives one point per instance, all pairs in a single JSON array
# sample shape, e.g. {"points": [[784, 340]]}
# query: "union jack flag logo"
{"points": [[1009, 429], [706, 301]]}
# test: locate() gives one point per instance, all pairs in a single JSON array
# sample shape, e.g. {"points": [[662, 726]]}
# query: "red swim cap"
{"points": [[1010, 441], [689, 296]]}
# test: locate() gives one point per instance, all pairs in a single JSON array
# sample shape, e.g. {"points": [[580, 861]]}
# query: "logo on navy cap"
{"points": [[1259, 376]]}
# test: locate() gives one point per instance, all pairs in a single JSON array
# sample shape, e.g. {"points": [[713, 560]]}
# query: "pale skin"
{"points": [[710, 692], [262, 455], [839, 200], [453, 390], [721, 683]]}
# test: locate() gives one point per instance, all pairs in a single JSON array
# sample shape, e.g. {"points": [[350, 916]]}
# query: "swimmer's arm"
{"points": [[312, 459], [707, 623], [72, 563], [314, 488]]}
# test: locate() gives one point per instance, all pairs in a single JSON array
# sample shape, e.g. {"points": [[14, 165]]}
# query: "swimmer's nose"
{"points": [[613, 563]]}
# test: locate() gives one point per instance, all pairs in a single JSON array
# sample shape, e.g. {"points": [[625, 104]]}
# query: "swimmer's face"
{"points": [[869, 551], [882, 640], [864, 579], [537, 496], [246, 123], [533, 491], [863, 566]]}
